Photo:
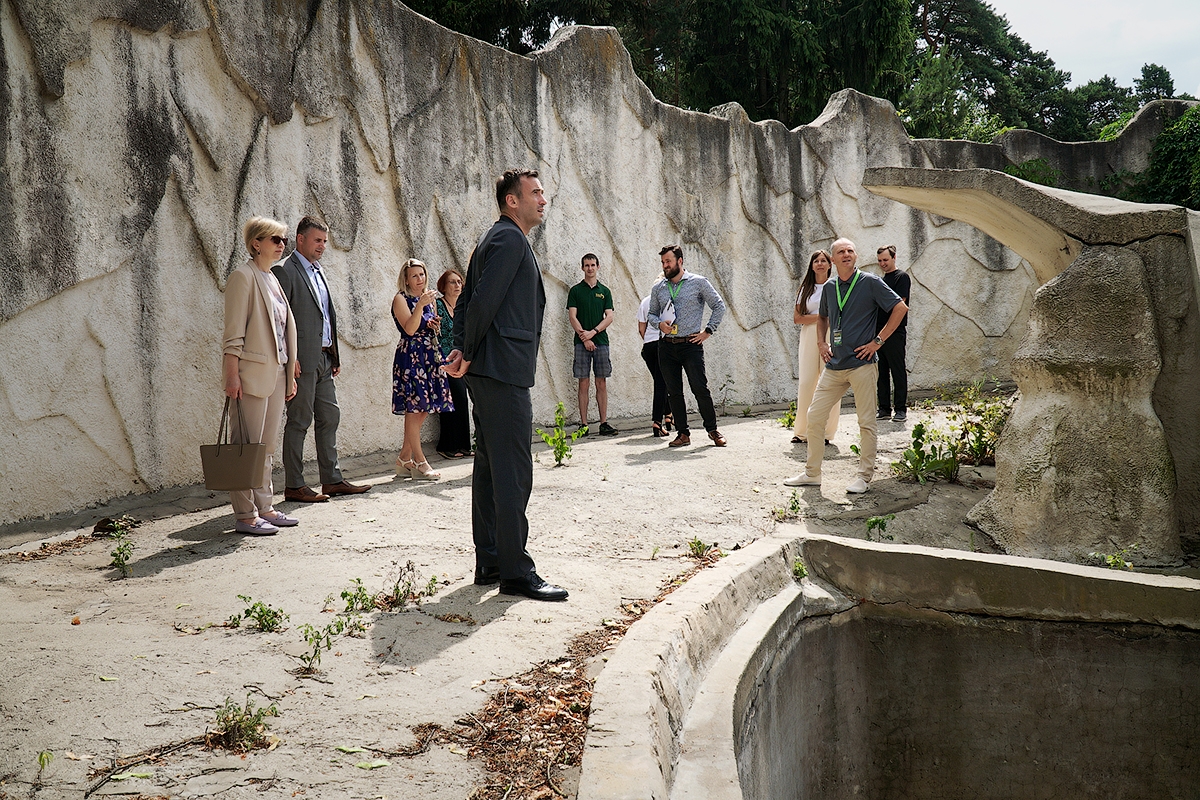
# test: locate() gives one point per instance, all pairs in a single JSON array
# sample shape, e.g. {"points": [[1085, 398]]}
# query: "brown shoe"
{"points": [[345, 487], [717, 438], [680, 441], [304, 495]]}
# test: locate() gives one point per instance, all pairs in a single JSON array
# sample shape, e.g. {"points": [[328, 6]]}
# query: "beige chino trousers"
{"points": [[830, 388]]}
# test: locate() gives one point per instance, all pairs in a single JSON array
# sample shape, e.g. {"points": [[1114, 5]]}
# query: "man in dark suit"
{"points": [[307, 293], [497, 328]]}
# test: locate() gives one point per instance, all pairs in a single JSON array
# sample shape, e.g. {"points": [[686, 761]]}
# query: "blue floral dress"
{"points": [[417, 383]]}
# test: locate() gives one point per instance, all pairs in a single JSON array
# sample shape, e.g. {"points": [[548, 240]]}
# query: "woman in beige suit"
{"points": [[259, 364]]}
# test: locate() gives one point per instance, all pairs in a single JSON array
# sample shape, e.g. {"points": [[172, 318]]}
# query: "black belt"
{"points": [[679, 339]]}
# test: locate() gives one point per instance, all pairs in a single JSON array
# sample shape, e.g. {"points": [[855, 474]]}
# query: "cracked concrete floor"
{"points": [[141, 669]]}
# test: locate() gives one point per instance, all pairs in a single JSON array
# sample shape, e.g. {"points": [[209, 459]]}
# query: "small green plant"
{"points": [[792, 511], [266, 618], [929, 458], [727, 391], [799, 571], [239, 729], [43, 760], [698, 549], [558, 440], [976, 420], [855, 449], [654, 553], [356, 597], [318, 640], [748, 411], [788, 419], [1117, 560], [880, 524], [121, 554], [404, 587]]}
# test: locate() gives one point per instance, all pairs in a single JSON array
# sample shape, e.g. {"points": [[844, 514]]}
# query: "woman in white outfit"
{"points": [[808, 302]]}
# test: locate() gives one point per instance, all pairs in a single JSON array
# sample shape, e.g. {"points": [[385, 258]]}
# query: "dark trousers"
{"points": [[455, 425], [316, 398], [893, 372], [674, 359], [661, 405], [503, 476]]}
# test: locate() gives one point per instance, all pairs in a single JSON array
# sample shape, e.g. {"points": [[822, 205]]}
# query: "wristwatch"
{"points": [[879, 341]]}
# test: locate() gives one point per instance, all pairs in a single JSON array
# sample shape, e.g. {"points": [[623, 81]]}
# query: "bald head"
{"points": [[845, 256]]}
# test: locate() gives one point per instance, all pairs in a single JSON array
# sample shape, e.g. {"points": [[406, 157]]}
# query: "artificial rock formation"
{"points": [[137, 136], [1100, 453]]}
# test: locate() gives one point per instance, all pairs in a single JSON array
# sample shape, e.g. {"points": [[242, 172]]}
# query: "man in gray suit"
{"points": [[497, 328], [307, 293]]}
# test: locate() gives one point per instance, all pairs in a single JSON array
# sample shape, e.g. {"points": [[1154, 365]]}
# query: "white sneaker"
{"points": [[858, 486], [803, 479]]}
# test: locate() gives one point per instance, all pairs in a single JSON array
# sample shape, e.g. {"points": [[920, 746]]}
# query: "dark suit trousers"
{"points": [[503, 475], [315, 397], [676, 358], [891, 365]]}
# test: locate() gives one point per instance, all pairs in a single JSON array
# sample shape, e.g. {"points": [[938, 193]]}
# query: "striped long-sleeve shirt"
{"points": [[692, 293]]}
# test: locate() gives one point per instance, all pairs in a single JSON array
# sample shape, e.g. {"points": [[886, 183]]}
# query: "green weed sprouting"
{"points": [[266, 618], [238, 729], [558, 439]]}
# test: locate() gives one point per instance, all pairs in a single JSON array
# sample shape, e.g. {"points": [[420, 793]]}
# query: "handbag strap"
{"points": [[225, 431]]}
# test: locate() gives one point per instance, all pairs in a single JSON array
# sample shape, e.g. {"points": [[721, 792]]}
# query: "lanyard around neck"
{"points": [[837, 287], [673, 289]]}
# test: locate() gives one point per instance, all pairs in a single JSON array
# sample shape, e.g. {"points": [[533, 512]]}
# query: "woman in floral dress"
{"points": [[419, 387]]}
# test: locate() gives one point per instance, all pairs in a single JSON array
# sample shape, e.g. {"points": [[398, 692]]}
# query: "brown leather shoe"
{"points": [[717, 437], [304, 495], [345, 487], [680, 441]]}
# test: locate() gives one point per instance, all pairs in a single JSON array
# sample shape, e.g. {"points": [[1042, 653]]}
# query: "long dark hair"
{"points": [[809, 284]]}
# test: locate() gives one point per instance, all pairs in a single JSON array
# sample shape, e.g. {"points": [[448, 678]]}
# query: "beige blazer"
{"points": [[250, 332]]}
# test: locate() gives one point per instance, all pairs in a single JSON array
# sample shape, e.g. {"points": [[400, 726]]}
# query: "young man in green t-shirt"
{"points": [[590, 306]]}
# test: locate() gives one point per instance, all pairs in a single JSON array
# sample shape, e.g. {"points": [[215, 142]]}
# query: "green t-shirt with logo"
{"points": [[590, 303]]}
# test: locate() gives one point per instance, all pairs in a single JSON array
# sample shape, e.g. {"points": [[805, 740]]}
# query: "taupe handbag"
{"points": [[232, 467]]}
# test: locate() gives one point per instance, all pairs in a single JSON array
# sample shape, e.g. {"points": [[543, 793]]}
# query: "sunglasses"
{"points": [[275, 239]]}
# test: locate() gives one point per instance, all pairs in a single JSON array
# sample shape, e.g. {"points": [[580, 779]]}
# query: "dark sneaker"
{"points": [[607, 430], [901, 415], [881, 414]]}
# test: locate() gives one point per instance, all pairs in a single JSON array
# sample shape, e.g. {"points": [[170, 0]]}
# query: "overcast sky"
{"points": [[1093, 38]]}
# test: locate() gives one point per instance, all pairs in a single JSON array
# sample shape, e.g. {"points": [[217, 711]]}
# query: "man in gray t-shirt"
{"points": [[850, 303]]}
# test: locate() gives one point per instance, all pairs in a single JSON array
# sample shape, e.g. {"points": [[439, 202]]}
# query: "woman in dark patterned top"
{"points": [[455, 439]]}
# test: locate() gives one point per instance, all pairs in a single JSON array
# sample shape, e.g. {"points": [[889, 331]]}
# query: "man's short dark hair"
{"points": [[891, 248], [672, 248], [510, 183], [307, 222], [589, 257]]}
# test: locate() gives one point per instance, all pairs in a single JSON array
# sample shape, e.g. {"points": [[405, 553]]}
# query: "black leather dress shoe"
{"points": [[534, 588], [485, 576]]}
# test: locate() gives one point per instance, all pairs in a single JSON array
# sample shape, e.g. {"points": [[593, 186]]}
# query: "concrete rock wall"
{"points": [[136, 137]]}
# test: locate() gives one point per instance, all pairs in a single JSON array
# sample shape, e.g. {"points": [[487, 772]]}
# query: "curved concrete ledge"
{"points": [[1046, 226], [681, 711]]}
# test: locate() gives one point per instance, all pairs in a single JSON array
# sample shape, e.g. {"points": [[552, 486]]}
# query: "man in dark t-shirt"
{"points": [[849, 304], [893, 372], [590, 307]]}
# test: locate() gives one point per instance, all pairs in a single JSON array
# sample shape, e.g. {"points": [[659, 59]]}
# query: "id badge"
{"points": [[837, 337], [674, 330]]}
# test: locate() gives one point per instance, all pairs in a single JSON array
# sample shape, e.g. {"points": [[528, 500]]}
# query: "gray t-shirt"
{"points": [[857, 318]]}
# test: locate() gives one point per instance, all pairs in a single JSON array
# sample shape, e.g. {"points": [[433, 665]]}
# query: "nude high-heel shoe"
{"points": [[423, 472], [405, 468]]}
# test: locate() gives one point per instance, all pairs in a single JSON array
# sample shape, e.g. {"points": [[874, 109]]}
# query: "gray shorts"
{"points": [[586, 361]]}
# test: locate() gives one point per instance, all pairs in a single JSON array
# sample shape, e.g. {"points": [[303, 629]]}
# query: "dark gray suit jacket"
{"points": [[307, 309], [498, 317]]}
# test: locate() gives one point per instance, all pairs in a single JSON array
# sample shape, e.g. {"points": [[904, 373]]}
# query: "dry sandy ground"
{"points": [[611, 525]]}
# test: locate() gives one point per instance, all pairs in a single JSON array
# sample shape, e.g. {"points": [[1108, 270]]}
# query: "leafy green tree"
{"points": [[1155, 84], [934, 106], [1174, 172]]}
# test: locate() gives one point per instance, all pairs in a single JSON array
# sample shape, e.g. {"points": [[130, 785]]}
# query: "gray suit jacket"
{"points": [[307, 310], [498, 317]]}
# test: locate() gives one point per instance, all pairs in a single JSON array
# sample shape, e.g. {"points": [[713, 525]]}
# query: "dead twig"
{"points": [[123, 763]]}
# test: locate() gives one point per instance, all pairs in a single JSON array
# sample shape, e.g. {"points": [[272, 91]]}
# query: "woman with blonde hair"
{"points": [[419, 387], [808, 303], [259, 365]]}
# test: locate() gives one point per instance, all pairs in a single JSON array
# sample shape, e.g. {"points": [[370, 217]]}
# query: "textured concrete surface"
{"points": [[1098, 455], [138, 136], [901, 671]]}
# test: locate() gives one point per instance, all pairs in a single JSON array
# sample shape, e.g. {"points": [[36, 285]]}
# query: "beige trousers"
{"points": [[264, 417], [830, 388]]}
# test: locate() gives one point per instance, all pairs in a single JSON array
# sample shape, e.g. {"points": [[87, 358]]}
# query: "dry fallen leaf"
{"points": [[75, 620]]}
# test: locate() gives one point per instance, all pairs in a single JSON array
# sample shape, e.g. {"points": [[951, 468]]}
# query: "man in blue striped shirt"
{"points": [[681, 348]]}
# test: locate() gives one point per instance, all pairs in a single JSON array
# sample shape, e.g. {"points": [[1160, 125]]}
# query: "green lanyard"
{"points": [[841, 301], [673, 289]]}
